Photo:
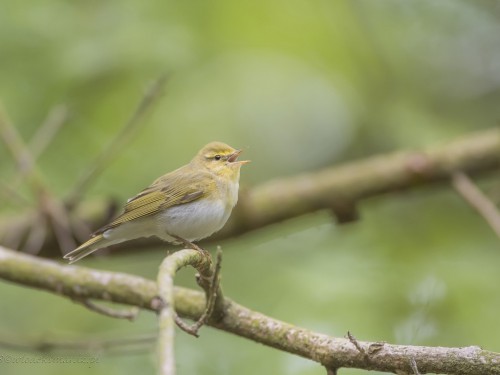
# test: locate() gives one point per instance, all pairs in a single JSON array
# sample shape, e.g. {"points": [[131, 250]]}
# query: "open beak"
{"points": [[233, 158]]}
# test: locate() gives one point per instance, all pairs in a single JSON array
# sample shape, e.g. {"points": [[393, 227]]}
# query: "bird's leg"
{"points": [[189, 244]]}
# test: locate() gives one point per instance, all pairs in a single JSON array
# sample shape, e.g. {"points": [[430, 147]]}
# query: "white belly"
{"points": [[192, 221]]}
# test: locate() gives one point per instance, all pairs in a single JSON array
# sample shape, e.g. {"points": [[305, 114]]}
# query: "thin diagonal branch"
{"points": [[20, 152], [8, 194], [477, 199], [331, 352], [37, 233], [102, 161], [39, 142], [46, 132], [59, 219]]}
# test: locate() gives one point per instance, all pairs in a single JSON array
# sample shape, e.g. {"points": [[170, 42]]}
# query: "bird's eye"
{"points": [[217, 157]]}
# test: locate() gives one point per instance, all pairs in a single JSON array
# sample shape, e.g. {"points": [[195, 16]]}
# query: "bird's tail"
{"points": [[95, 243]]}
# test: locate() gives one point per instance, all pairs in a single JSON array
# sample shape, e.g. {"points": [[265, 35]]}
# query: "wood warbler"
{"points": [[185, 205]]}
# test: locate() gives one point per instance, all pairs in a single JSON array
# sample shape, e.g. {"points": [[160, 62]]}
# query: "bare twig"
{"points": [[477, 199], [414, 367], [42, 138], [11, 195], [186, 327], [212, 293], [46, 132], [215, 293], [129, 314], [102, 161], [61, 224], [13, 238], [25, 156], [355, 342], [21, 154], [37, 233]]}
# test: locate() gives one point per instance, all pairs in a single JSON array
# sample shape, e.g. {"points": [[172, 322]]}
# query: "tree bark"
{"points": [[83, 283]]}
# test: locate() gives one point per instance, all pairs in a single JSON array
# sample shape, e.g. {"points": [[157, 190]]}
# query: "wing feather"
{"points": [[172, 189]]}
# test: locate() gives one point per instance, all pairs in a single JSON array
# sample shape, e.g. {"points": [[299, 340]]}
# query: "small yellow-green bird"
{"points": [[185, 205]]}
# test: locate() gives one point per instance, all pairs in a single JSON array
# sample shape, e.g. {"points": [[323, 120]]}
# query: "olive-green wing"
{"points": [[167, 191]]}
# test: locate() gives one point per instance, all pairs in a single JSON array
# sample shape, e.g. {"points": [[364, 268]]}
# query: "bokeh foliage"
{"points": [[298, 85]]}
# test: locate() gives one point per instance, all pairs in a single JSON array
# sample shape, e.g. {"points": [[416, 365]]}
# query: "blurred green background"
{"points": [[299, 85]]}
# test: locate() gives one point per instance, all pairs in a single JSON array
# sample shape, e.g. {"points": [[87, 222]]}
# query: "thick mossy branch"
{"points": [[80, 282]]}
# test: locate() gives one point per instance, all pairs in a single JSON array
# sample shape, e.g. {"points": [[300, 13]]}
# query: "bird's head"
{"points": [[221, 159]]}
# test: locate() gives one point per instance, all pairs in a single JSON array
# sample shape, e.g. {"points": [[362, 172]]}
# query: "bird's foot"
{"points": [[190, 245]]}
